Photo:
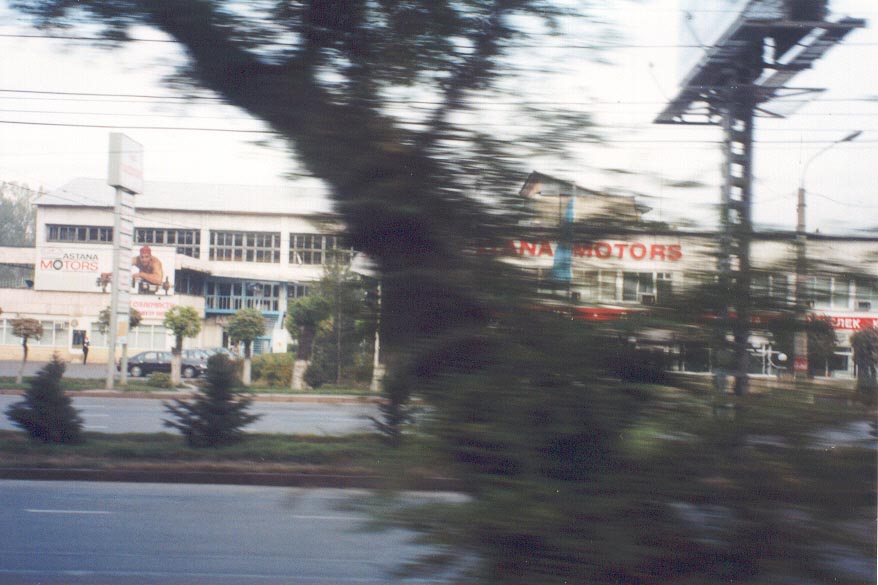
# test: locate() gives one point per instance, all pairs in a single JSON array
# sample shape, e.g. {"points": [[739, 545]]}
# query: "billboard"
{"points": [[83, 268]]}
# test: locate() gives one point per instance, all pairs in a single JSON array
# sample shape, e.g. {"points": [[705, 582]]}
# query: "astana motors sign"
{"points": [[89, 269], [75, 262]]}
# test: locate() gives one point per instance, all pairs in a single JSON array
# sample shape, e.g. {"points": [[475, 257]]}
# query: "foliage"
{"points": [[160, 380], [519, 404], [217, 415], [134, 319], [46, 412], [245, 326], [865, 345], [181, 322], [17, 217], [822, 340], [26, 328], [303, 316], [273, 368]]}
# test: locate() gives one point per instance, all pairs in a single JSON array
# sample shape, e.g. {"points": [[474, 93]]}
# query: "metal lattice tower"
{"points": [[769, 43]]}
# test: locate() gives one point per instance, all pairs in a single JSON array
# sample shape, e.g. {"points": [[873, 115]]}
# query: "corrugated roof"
{"points": [[278, 199]]}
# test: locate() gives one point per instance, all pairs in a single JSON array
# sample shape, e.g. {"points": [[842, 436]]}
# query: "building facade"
{"points": [[219, 248], [597, 256], [222, 248]]}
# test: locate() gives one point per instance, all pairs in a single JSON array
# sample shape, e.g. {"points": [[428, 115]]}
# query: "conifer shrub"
{"points": [[160, 380], [46, 412], [273, 368], [217, 415]]}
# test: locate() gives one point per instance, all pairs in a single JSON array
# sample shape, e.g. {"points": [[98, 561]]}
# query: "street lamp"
{"points": [[800, 338]]}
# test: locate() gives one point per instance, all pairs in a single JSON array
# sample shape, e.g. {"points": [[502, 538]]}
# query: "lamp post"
{"points": [[800, 338]]}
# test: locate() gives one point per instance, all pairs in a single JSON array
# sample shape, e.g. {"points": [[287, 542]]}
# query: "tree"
{"points": [[216, 416], [134, 319], [246, 326], [46, 412], [304, 315], [519, 401], [822, 340], [181, 322], [18, 221], [25, 328], [865, 345]]}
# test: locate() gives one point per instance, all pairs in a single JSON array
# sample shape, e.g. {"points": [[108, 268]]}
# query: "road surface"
{"points": [[144, 415], [137, 534]]}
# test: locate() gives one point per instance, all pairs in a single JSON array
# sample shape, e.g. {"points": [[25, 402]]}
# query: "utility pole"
{"points": [[800, 337], [126, 175], [745, 64]]}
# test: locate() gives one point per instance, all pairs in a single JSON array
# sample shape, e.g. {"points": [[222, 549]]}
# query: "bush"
{"points": [[160, 380], [216, 415], [46, 412], [273, 368]]}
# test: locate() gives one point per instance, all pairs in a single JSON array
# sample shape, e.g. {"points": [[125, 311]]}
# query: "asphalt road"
{"points": [[144, 415], [73, 533]]}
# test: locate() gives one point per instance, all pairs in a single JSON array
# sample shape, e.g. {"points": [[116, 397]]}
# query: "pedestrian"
{"points": [[85, 344]]}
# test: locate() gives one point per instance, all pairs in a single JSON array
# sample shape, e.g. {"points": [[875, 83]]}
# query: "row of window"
{"points": [[58, 333], [225, 246], [824, 292], [609, 286]]}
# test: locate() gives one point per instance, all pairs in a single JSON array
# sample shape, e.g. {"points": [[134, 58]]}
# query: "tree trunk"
{"points": [[176, 378], [20, 377], [298, 380], [245, 374]]}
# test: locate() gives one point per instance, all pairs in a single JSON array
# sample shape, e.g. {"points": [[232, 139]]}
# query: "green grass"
{"points": [[140, 385], [101, 449]]}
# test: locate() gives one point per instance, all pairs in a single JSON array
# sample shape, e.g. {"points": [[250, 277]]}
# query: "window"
{"points": [[189, 283], [607, 286], [187, 242], [829, 292], [867, 294], [296, 291], [262, 247], [318, 249], [585, 282], [636, 284], [79, 233], [770, 286], [228, 296]]}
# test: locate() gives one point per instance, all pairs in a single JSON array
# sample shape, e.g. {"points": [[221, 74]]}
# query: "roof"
{"points": [[554, 187], [277, 199]]}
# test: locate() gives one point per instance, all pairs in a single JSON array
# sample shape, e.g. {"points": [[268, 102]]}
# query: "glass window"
{"points": [[636, 284], [607, 286], [841, 293], [318, 249], [74, 233], [867, 294], [188, 242], [260, 247]]}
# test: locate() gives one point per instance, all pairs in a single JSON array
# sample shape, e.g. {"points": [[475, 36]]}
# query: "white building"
{"points": [[621, 265], [222, 248], [242, 246]]}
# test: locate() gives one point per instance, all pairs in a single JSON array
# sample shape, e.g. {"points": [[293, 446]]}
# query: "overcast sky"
{"points": [[624, 95]]}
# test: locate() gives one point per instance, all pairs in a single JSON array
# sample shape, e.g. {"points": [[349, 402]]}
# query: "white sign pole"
{"points": [[126, 175]]}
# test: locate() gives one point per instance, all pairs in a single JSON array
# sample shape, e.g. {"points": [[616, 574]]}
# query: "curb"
{"points": [[267, 479], [256, 397]]}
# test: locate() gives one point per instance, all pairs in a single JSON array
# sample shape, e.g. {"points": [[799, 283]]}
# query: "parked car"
{"points": [[147, 362], [210, 351]]}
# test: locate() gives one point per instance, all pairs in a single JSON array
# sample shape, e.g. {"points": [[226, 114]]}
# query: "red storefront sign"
{"points": [[853, 323]]}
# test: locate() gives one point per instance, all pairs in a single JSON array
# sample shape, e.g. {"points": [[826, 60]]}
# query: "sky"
{"points": [[52, 93]]}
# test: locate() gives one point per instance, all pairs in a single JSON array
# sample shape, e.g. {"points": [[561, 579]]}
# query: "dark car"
{"points": [[147, 362]]}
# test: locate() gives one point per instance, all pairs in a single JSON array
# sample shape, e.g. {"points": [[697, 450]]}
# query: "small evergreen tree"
{"points": [[46, 412], [216, 416]]}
